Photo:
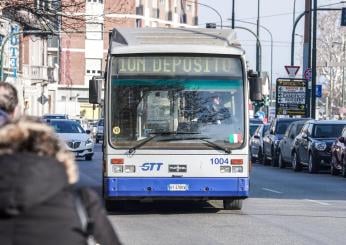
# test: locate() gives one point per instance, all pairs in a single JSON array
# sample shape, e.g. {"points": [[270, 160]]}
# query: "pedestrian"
{"points": [[38, 201], [8, 102]]}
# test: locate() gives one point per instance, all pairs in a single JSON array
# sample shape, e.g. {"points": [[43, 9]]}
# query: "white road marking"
{"points": [[270, 190], [318, 202]]}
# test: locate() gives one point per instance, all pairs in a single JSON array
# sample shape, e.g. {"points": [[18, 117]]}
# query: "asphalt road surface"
{"points": [[284, 208]]}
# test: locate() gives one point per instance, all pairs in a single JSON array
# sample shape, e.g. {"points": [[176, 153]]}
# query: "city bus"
{"points": [[175, 117]]}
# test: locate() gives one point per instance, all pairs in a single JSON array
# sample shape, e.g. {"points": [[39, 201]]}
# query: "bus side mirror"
{"points": [[95, 90], [255, 85]]}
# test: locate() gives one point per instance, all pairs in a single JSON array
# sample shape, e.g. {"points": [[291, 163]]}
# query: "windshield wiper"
{"points": [[146, 140], [217, 146]]}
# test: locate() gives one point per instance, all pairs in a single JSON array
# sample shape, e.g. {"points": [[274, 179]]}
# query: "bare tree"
{"points": [[331, 56], [44, 14]]}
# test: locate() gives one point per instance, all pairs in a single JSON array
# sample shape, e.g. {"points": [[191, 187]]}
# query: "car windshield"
{"points": [[265, 128], [177, 102], [66, 127], [253, 128], [54, 117], [282, 126], [328, 131]]}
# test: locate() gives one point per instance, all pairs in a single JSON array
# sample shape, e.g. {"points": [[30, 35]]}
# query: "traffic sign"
{"points": [[42, 99], [318, 90], [308, 74], [292, 70], [291, 94]]}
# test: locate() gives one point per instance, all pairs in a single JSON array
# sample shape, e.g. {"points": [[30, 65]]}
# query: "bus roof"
{"points": [[174, 40]]}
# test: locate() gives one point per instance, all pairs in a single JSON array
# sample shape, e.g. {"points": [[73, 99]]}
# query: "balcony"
{"points": [[42, 73]]}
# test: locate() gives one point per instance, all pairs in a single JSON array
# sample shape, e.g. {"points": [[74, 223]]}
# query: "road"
{"points": [[284, 208]]}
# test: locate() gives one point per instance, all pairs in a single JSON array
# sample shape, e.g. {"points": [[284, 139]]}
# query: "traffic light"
{"points": [[343, 17], [210, 25]]}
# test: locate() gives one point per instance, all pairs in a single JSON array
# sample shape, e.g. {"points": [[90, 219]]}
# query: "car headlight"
{"points": [[89, 141], [320, 146]]}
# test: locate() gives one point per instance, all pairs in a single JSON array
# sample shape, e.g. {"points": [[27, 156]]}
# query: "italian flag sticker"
{"points": [[235, 138]]}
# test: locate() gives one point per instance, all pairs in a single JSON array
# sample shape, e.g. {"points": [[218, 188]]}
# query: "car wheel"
{"points": [[274, 161], [296, 165], [88, 157], [232, 204], [333, 170], [313, 166], [282, 163], [265, 160], [343, 172]]}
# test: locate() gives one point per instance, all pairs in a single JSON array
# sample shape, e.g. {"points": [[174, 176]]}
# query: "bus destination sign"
{"points": [[177, 65], [291, 97]]}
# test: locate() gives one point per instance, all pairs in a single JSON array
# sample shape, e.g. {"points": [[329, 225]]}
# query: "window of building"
{"points": [[94, 31], [189, 7], [156, 13], [162, 2], [93, 67]]}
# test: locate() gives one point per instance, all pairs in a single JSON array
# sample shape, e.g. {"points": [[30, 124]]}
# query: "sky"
{"points": [[276, 15]]}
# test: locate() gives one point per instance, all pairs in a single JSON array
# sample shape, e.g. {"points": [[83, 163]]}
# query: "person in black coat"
{"points": [[37, 193]]}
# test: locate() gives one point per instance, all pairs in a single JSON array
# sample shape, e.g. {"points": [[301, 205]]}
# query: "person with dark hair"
{"points": [[39, 203], [8, 99]]}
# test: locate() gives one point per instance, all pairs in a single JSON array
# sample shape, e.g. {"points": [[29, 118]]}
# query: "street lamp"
{"points": [[208, 6]]}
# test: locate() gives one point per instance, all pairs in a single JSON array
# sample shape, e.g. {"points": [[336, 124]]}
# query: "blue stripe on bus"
{"points": [[158, 187]]}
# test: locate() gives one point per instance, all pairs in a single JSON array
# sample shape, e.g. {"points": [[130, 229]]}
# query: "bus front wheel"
{"points": [[232, 204]]}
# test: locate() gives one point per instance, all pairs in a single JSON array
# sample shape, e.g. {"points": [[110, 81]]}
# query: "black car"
{"points": [[312, 146], [272, 139], [286, 144], [338, 163], [256, 143]]}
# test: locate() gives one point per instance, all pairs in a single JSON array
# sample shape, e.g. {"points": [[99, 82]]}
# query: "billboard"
{"points": [[291, 94]]}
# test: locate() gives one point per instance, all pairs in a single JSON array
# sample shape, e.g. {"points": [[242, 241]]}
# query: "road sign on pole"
{"points": [[292, 70], [308, 74]]}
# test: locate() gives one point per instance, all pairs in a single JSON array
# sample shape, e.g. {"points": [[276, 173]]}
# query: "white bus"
{"points": [[176, 123]]}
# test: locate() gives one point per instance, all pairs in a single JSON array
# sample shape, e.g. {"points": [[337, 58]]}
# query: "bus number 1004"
{"points": [[219, 161]]}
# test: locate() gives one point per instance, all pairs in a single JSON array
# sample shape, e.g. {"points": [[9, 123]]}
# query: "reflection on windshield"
{"points": [[144, 107], [328, 131], [66, 127]]}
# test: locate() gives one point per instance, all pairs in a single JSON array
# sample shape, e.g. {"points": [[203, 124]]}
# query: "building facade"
{"points": [[83, 52]]}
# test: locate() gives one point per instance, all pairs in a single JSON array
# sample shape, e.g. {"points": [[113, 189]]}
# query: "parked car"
{"points": [[76, 138], [338, 151], [256, 143], [286, 143], [54, 116], [272, 139], [99, 132], [254, 123], [312, 146], [83, 122]]}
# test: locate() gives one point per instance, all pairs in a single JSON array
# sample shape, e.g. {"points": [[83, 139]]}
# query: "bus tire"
{"points": [[232, 204]]}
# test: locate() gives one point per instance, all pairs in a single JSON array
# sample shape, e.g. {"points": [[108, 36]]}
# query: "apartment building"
{"points": [[82, 54]]}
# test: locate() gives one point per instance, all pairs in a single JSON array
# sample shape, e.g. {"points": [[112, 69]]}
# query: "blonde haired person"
{"points": [[37, 193]]}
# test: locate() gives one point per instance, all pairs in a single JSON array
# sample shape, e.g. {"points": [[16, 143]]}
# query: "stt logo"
{"points": [[151, 166]]}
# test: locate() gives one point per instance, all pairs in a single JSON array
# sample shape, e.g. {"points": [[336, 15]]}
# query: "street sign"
{"points": [[308, 74], [42, 99], [291, 94], [318, 90], [292, 70]]}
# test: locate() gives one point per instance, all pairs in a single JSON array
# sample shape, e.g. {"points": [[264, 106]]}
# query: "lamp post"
{"points": [[233, 18], [208, 6], [271, 52], [258, 51]]}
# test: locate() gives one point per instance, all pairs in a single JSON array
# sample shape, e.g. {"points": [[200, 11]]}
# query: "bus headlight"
{"points": [[225, 169], [237, 169], [117, 168], [130, 169]]}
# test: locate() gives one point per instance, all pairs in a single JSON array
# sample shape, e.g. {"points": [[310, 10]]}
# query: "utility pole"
{"points": [[307, 47], [258, 52], [233, 14], [314, 54]]}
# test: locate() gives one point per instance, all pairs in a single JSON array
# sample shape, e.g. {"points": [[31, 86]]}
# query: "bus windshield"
{"points": [[180, 108]]}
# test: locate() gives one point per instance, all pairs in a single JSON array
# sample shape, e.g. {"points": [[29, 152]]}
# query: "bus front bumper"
{"points": [[208, 188]]}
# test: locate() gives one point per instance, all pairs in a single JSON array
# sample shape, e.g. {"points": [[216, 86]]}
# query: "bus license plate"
{"points": [[178, 187]]}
